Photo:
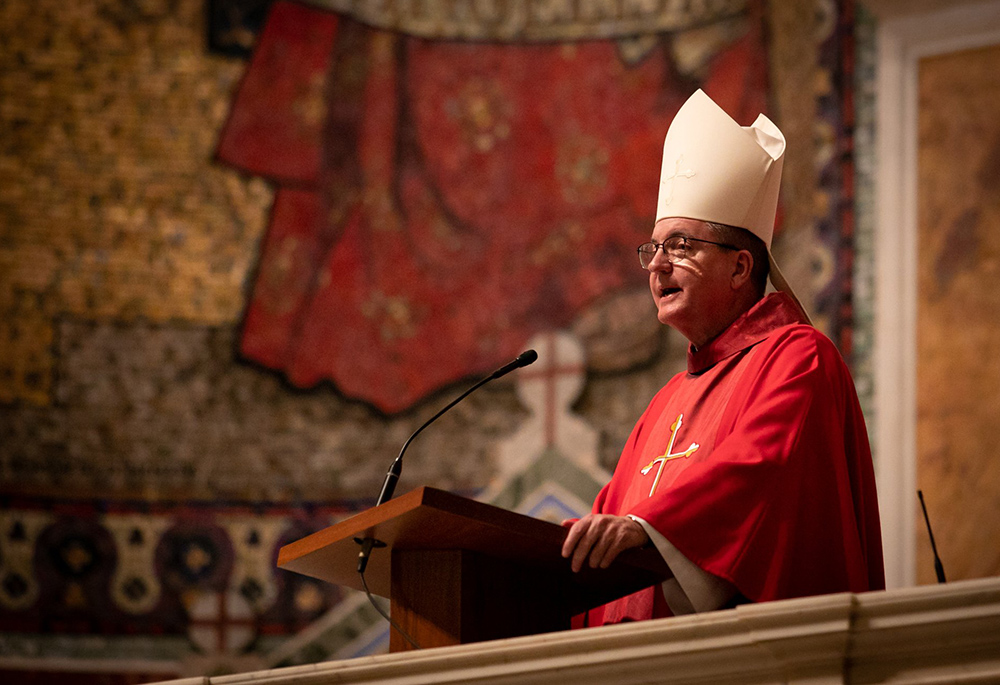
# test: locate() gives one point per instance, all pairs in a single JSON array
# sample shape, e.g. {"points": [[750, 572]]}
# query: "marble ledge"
{"points": [[929, 634]]}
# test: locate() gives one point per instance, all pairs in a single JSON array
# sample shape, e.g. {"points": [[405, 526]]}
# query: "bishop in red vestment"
{"points": [[750, 471]]}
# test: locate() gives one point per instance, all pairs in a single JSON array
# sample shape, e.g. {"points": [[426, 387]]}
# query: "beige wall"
{"points": [[886, 9], [958, 321]]}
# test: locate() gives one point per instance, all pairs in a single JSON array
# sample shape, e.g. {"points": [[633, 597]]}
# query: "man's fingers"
{"points": [[602, 545], [573, 537], [617, 541], [586, 542], [598, 539], [628, 534], [618, 546], [591, 547], [581, 554]]}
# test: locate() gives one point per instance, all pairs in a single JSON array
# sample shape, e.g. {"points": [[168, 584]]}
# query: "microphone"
{"points": [[392, 475], [523, 359]]}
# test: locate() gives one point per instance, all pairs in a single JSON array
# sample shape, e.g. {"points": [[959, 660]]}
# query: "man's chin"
{"points": [[666, 315], [673, 312]]}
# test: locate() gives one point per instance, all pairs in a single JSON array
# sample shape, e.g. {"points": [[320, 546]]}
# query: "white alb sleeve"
{"points": [[691, 589]]}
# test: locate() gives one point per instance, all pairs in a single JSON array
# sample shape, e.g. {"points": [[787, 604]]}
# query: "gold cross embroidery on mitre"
{"points": [[675, 427], [687, 173]]}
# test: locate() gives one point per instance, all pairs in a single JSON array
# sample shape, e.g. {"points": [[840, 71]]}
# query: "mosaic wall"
{"points": [[863, 257], [111, 208], [148, 473]]}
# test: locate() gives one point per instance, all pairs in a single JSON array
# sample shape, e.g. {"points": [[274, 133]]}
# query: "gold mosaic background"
{"points": [[958, 339], [110, 205]]}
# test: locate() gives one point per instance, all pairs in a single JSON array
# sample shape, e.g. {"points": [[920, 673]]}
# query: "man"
{"points": [[750, 472]]}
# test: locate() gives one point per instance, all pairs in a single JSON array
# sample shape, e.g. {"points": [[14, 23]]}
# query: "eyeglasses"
{"points": [[675, 248]]}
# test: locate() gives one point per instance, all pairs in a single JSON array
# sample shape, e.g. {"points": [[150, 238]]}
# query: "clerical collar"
{"points": [[752, 326]]}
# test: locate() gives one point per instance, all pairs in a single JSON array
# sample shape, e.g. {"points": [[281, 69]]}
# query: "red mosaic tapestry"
{"points": [[439, 202]]}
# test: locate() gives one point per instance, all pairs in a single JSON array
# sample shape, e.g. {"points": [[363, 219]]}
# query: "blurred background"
{"points": [[247, 247]]}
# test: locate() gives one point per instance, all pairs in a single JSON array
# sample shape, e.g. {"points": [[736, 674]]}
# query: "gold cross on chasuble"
{"points": [[669, 453]]}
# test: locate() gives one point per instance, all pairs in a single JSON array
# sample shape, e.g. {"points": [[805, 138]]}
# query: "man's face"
{"points": [[695, 294]]}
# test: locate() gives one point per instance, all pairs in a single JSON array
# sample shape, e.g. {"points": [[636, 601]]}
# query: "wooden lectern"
{"points": [[457, 571]]}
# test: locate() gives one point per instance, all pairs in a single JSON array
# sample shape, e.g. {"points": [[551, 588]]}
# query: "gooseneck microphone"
{"points": [[392, 475]]}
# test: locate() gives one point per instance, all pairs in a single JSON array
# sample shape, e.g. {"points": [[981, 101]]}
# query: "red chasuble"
{"points": [[755, 464]]}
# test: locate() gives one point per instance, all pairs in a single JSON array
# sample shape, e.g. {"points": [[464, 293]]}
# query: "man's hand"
{"points": [[600, 538]]}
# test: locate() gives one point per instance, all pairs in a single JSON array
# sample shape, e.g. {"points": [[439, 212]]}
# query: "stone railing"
{"points": [[931, 634]]}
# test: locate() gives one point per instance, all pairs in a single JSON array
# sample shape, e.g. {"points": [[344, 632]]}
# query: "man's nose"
{"points": [[659, 262]]}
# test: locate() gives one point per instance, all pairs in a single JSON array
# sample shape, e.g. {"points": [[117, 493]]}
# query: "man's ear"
{"points": [[742, 269]]}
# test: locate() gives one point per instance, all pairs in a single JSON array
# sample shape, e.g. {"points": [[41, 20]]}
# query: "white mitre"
{"points": [[716, 170]]}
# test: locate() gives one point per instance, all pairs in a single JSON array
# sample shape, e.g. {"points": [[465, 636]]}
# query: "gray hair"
{"points": [[745, 240]]}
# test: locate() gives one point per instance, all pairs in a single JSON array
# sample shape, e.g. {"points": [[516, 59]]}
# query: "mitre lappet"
{"points": [[716, 170]]}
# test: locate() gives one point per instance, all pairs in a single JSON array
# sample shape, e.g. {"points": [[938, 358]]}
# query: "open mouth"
{"points": [[664, 292]]}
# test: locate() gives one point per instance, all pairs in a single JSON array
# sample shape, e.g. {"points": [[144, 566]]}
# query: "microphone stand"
{"points": [[392, 475], [938, 566]]}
